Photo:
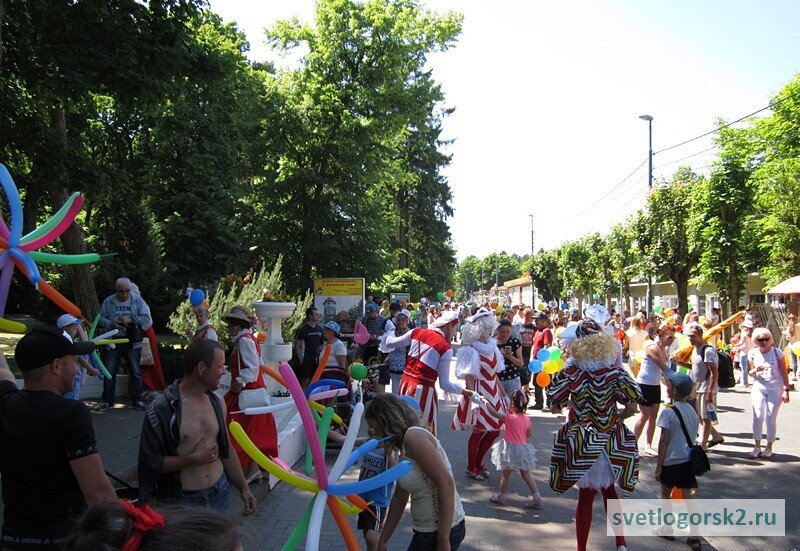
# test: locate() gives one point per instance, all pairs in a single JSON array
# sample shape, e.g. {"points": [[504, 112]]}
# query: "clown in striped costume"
{"points": [[594, 449], [478, 363], [429, 356]]}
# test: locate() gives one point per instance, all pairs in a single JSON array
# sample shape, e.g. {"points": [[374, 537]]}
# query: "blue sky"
{"points": [[547, 98]]}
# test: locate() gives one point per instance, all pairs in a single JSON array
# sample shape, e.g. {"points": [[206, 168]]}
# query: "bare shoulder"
{"points": [[418, 442]]}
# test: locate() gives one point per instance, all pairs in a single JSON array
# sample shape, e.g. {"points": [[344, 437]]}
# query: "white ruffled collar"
{"points": [[239, 335], [485, 349]]}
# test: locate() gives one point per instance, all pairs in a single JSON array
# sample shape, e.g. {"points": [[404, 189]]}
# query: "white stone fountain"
{"points": [[291, 437]]}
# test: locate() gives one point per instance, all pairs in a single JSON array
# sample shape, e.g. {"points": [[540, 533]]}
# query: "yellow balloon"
{"points": [[796, 348], [540, 307], [12, 326], [639, 357], [111, 341], [499, 309], [559, 364], [267, 464], [550, 367], [321, 409]]}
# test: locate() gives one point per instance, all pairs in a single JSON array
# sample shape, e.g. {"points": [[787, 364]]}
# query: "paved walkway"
{"points": [[491, 527]]}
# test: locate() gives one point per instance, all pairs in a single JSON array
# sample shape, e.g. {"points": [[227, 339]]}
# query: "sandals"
{"points": [[715, 442], [534, 503], [498, 499], [767, 453]]}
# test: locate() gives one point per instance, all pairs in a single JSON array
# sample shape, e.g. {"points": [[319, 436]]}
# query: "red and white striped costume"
{"points": [[429, 356], [482, 361]]}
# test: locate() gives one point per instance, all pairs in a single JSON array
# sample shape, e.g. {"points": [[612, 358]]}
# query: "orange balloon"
{"points": [[261, 336], [344, 527], [272, 373], [542, 379], [676, 493], [49, 291], [449, 293], [322, 362]]}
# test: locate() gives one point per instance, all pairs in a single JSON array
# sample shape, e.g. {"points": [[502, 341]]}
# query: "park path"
{"points": [[491, 527]]}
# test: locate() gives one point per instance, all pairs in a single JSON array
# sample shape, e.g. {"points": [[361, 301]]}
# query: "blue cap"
{"points": [[681, 381], [333, 326]]}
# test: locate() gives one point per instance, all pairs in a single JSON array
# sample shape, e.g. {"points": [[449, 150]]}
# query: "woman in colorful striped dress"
{"points": [[478, 363], [594, 449]]}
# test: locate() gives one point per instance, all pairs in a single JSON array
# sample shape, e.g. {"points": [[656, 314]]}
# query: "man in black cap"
{"points": [[49, 461]]}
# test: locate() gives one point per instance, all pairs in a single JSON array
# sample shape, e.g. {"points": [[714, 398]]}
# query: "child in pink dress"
{"points": [[513, 452]]}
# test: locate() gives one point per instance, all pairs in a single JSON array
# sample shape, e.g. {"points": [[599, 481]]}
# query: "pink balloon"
{"points": [[4, 233], [62, 226], [308, 423]]}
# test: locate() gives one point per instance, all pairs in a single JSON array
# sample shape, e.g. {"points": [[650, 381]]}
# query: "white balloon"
{"points": [[315, 522], [349, 442], [269, 409], [107, 335]]}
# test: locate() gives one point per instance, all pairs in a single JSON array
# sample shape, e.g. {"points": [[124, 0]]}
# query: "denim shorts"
{"points": [[427, 541], [216, 497]]}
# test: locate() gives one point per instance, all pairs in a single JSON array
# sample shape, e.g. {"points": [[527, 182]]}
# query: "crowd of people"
{"points": [[187, 460]]}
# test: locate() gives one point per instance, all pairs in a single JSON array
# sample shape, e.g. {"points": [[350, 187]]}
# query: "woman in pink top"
{"points": [[514, 452]]}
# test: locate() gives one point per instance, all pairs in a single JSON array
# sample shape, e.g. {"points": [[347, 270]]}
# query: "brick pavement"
{"points": [[491, 527]]}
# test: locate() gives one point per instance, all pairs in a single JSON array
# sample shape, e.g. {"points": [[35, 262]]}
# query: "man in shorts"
{"points": [[705, 374]]}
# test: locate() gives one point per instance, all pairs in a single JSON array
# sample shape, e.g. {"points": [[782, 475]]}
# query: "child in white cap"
{"points": [[73, 330]]}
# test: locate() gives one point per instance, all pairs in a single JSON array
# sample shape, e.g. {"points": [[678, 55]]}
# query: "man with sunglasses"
{"points": [[120, 311], [705, 374]]}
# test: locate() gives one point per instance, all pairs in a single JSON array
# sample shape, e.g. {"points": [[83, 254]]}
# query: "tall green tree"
{"points": [[544, 270], [777, 182], [345, 119], [625, 260], [670, 229], [727, 223]]}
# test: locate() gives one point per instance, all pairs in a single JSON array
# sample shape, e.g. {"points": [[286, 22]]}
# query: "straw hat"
{"points": [[242, 314]]}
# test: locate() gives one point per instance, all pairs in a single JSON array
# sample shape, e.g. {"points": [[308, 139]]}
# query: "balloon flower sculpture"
{"points": [[327, 489], [22, 250]]}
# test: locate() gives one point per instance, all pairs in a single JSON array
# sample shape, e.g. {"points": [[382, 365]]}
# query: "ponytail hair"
{"points": [[108, 526]]}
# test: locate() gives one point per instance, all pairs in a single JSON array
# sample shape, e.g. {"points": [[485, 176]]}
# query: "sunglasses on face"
{"points": [[762, 340]]}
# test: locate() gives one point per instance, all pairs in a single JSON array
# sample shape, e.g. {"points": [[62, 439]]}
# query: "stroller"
{"points": [[341, 404]]}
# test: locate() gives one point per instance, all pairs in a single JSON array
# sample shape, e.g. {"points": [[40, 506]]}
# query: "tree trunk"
{"points": [[682, 285], [627, 292], [608, 300], [82, 282]]}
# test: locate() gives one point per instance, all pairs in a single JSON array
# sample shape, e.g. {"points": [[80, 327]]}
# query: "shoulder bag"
{"points": [[697, 456]]}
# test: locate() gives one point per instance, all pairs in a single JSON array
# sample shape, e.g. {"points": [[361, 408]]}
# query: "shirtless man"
{"points": [[184, 453]]}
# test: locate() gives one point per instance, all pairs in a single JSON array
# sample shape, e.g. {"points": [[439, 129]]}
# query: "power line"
{"points": [[590, 207], [628, 202], [713, 131], [686, 157]]}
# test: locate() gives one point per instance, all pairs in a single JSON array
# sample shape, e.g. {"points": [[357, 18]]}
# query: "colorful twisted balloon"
{"points": [[326, 488], [21, 250]]}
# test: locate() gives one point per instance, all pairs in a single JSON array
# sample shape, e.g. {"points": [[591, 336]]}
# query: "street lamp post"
{"points": [[649, 120], [533, 287]]}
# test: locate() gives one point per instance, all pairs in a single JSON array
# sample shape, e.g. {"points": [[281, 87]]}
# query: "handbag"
{"points": [[253, 398], [134, 332], [697, 456]]}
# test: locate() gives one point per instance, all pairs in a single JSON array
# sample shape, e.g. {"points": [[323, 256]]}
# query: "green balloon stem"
{"points": [[64, 259], [309, 459], [93, 328], [54, 221], [101, 365]]}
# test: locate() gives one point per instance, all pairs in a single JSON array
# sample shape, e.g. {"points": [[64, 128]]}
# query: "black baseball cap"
{"points": [[45, 344], [541, 315]]}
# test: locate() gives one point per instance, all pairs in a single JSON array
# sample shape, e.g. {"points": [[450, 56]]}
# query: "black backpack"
{"points": [[725, 376]]}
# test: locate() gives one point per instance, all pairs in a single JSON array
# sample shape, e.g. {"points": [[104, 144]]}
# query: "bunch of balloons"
{"points": [[328, 491], [22, 251], [547, 362]]}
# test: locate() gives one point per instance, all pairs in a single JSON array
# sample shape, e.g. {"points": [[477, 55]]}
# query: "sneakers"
{"points": [[484, 473], [474, 476], [755, 453], [767, 453], [102, 406], [664, 532], [498, 499], [139, 406], [534, 503], [648, 451]]}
